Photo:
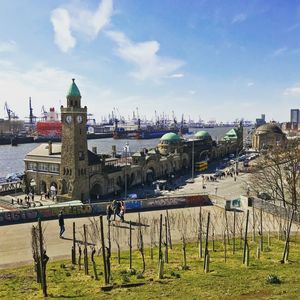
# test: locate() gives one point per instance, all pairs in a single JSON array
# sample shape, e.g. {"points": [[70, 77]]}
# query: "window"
{"points": [[81, 155], [43, 167], [54, 168], [32, 166]]}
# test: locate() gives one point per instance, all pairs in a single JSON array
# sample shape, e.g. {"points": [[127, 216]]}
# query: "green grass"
{"points": [[230, 280]]}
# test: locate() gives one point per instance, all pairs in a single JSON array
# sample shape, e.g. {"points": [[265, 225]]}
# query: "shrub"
{"points": [[273, 279], [139, 275], [125, 278], [174, 274]]}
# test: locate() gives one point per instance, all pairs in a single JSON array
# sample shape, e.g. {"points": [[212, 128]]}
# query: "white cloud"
{"points": [[279, 51], [144, 56], [72, 19], [192, 92], [249, 84], [47, 86], [91, 23], [239, 18], [176, 75], [61, 22], [9, 46], [292, 91], [293, 27]]}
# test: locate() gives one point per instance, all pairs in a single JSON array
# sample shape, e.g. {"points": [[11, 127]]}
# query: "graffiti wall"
{"points": [[50, 213]]}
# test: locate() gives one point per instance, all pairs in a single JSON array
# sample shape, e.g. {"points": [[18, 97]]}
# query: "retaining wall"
{"points": [[85, 210]]}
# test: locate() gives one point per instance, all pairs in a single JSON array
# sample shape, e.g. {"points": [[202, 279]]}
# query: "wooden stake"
{"points": [[74, 245], [224, 244], [103, 250], [85, 255], [160, 238], [130, 245], [166, 244], [206, 241], [253, 220], [42, 265], [287, 240], [233, 234], [261, 230], [258, 252], [206, 263], [245, 239], [227, 227], [108, 251], [169, 231], [200, 233]]}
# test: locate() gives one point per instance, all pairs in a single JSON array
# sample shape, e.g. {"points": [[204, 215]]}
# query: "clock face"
{"points": [[79, 119], [68, 119]]}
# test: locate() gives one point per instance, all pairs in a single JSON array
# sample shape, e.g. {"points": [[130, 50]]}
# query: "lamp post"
{"points": [[125, 172], [193, 159], [237, 159]]}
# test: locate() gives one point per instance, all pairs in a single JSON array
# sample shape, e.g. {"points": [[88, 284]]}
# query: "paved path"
{"points": [[15, 240]]}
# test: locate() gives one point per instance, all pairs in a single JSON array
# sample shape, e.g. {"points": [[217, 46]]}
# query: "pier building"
{"points": [[267, 135], [74, 172]]}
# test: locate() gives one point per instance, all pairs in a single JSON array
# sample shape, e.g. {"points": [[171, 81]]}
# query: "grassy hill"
{"points": [[226, 280]]}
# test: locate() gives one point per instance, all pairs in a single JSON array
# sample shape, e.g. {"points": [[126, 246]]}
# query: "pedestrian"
{"points": [[109, 212], [122, 211], [61, 222], [116, 208]]}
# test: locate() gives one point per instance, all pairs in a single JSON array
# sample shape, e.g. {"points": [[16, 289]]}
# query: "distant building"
{"points": [[295, 116], [266, 136], [260, 121]]}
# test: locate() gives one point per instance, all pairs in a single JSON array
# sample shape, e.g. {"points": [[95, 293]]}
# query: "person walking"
{"points": [[61, 221]]}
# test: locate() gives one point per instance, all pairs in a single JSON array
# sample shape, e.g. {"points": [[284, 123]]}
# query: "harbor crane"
{"points": [[11, 115]]}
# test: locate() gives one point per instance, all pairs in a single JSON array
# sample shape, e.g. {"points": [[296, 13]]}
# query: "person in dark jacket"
{"points": [[61, 222]]}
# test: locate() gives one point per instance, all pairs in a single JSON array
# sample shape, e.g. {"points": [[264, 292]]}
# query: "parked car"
{"points": [[219, 173], [242, 157], [264, 196]]}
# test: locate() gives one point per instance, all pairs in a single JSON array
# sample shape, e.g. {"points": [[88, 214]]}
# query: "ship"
{"points": [[49, 128], [138, 132]]}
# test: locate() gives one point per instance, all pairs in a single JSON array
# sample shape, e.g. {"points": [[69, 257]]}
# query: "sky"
{"points": [[214, 60]]}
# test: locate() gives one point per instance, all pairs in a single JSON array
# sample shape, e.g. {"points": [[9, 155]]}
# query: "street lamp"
{"points": [[125, 170], [193, 159], [237, 160]]}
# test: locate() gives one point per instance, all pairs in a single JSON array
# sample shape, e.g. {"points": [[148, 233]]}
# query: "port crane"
{"points": [[10, 114]]}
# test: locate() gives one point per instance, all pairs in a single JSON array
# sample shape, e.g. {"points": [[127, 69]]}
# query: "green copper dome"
{"points": [[231, 134], [201, 135], [170, 137], [73, 90]]}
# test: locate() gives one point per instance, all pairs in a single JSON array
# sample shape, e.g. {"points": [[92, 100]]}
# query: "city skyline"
{"points": [[202, 58]]}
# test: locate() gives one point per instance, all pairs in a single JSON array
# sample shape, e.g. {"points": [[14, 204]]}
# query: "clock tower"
{"points": [[74, 152]]}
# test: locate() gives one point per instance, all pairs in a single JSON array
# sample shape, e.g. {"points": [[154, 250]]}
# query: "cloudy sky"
{"points": [[214, 59]]}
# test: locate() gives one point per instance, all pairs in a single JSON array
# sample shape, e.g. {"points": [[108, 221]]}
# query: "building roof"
{"points": [[231, 134], [43, 150], [268, 128], [41, 154], [202, 134], [170, 137], [73, 90], [93, 159]]}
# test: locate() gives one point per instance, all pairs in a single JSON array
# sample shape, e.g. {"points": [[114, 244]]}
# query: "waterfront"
{"points": [[11, 158]]}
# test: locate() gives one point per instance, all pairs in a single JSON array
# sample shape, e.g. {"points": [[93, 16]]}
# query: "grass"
{"points": [[230, 280]]}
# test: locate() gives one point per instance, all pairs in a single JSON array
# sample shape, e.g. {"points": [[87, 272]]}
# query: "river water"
{"points": [[11, 158]]}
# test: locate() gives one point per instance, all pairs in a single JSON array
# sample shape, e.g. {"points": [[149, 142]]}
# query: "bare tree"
{"points": [[277, 173]]}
